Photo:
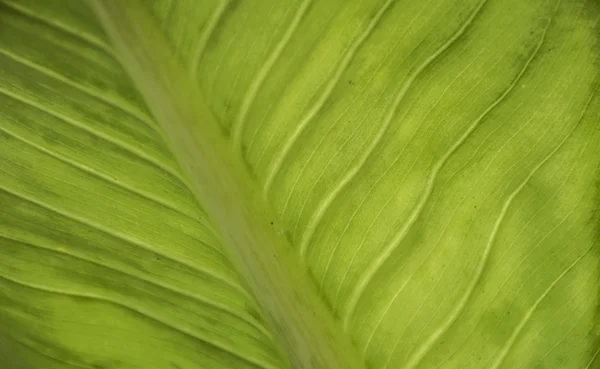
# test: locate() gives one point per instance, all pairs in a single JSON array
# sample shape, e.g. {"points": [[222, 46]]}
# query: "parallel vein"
{"points": [[98, 94], [279, 158], [107, 178], [184, 330], [237, 129], [78, 34], [124, 237], [153, 281], [362, 160], [209, 29], [125, 146]]}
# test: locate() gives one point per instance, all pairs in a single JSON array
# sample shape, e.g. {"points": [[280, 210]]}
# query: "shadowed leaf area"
{"points": [[432, 167]]}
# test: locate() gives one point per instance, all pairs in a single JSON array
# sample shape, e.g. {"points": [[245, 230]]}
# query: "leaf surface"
{"points": [[433, 164]]}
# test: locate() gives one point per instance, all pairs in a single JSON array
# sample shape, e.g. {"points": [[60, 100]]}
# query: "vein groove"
{"points": [[518, 265], [589, 366], [131, 110], [206, 34], [78, 34], [380, 177], [509, 344], [123, 237], [156, 282], [422, 350], [53, 358], [116, 142], [341, 116], [354, 170], [183, 330], [567, 333], [279, 159], [106, 178], [238, 126]]}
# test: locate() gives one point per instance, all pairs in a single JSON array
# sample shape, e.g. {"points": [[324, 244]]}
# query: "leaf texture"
{"points": [[433, 163]]}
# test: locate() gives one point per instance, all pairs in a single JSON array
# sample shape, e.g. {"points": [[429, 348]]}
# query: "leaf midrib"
{"points": [[306, 330]]}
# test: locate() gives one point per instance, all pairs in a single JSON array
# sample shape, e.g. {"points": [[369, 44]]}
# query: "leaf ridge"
{"points": [[89, 39], [355, 169], [205, 36], [194, 297], [104, 177], [238, 126], [509, 344], [124, 237], [332, 125], [424, 348], [579, 292], [51, 357], [514, 269], [291, 140], [121, 105], [140, 153], [381, 176], [527, 255], [413, 362], [198, 336], [589, 366]]}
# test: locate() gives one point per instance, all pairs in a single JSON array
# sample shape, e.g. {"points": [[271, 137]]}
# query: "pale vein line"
{"points": [[530, 219], [205, 239], [488, 136], [567, 358], [416, 358], [524, 258], [217, 69], [414, 315], [108, 138], [342, 114], [538, 243], [76, 33], [354, 170], [424, 348], [589, 366], [387, 121], [567, 333], [587, 104], [206, 34], [469, 227], [381, 176], [157, 282], [254, 134], [121, 105], [509, 344], [234, 86], [280, 157], [123, 237], [133, 218], [107, 178], [488, 166], [384, 313], [184, 330], [238, 126], [514, 295], [53, 358]]}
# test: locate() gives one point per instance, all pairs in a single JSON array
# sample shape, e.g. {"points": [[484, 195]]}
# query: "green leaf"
{"points": [[299, 184]]}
